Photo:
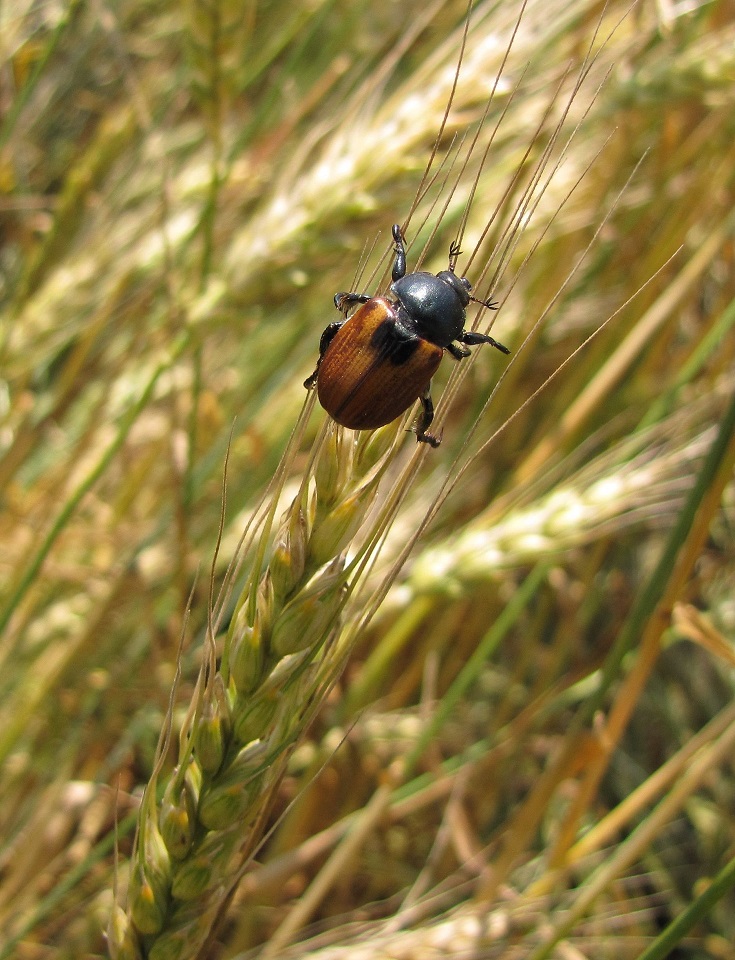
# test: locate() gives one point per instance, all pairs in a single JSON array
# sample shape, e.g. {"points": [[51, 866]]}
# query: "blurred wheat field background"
{"points": [[542, 700]]}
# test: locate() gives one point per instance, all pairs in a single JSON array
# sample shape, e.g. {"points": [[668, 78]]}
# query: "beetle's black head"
{"points": [[432, 306], [461, 285]]}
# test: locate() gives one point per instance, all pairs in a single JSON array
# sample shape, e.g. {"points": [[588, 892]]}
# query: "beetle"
{"points": [[377, 362]]}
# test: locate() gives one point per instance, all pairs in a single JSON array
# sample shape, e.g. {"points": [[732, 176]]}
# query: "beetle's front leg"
{"points": [[399, 264], [344, 302], [326, 339]]}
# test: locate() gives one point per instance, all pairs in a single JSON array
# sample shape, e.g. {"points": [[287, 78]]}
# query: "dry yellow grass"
{"points": [[428, 700]]}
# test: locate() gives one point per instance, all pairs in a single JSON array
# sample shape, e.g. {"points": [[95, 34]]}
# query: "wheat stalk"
{"points": [[279, 658]]}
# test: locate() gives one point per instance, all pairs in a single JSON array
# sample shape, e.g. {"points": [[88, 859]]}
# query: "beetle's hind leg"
{"points": [[424, 420], [326, 339]]}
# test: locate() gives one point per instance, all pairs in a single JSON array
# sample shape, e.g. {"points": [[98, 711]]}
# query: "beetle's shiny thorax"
{"points": [[433, 307]]}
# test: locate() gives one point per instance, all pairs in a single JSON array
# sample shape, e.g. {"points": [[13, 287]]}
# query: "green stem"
{"points": [[669, 938]]}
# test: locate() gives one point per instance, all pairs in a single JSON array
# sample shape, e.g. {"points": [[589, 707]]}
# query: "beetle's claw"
{"points": [[432, 439]]}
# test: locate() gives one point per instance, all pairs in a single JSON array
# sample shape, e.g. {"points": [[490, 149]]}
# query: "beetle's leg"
{"points": [[425, 418], [454, 254], [326, 339], [344, 302], [472, 339], [328, 335], [459, 353], [490, 304], [399, 264]]}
